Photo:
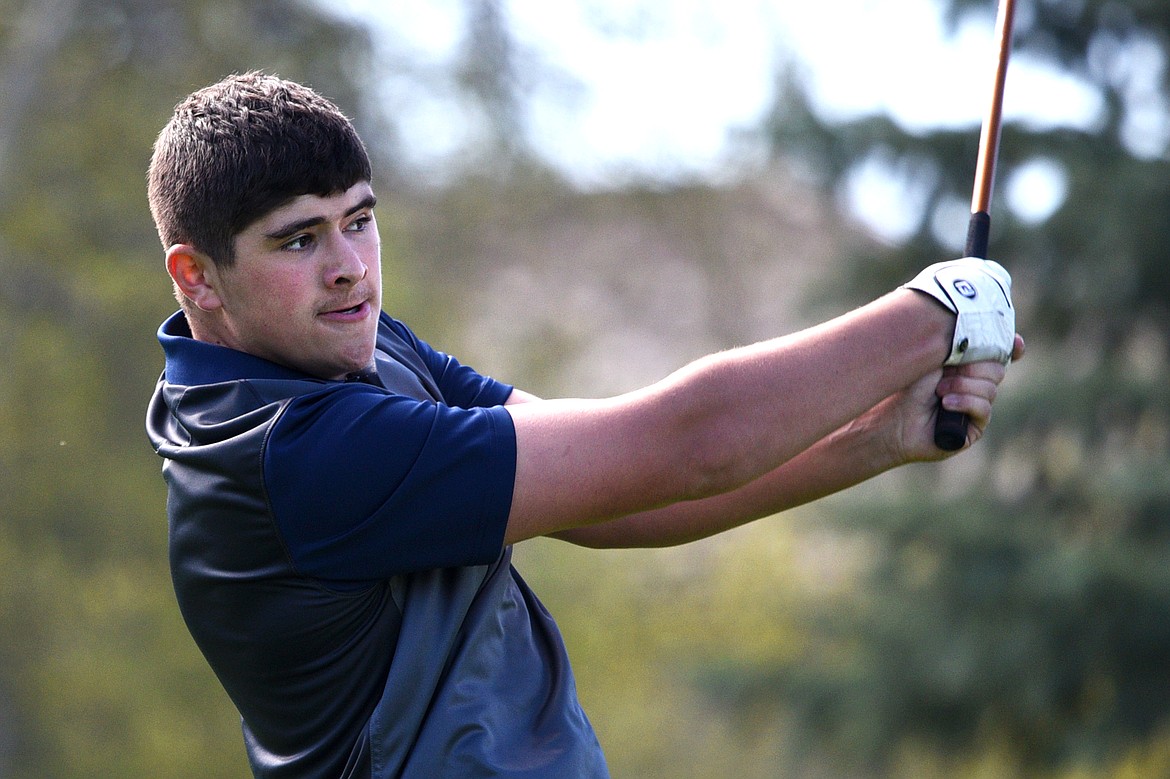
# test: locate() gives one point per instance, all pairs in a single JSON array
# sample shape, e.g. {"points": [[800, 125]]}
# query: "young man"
{"points": [[343, 499]]}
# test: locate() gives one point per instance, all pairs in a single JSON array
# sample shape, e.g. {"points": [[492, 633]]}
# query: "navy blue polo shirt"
{"points": [[337, 553]]}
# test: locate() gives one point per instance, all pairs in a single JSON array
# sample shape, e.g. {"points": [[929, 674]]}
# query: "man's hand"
{"points": [[979, 293], [906, 418]]}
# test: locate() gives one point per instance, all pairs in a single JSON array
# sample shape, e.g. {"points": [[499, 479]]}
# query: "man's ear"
{"points": [[194, 274]]}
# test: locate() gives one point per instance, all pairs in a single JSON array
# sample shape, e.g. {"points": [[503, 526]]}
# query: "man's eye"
{"points": [[300, 242], [361, 223]]}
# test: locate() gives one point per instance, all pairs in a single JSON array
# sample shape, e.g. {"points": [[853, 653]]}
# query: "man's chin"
{"points": [[361, 364]]}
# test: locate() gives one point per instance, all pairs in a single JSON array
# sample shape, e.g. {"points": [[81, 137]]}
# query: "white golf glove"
{"points": [[979, 293]]}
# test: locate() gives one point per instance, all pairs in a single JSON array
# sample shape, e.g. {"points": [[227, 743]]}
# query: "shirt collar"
{"points": [[190, 362]]}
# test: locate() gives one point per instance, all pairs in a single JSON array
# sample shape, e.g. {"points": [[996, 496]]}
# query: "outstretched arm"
{"points": [[721, 423], [896, 431]]}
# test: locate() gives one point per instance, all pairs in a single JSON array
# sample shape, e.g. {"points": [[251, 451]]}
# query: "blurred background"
{"points": [[579, 197]]}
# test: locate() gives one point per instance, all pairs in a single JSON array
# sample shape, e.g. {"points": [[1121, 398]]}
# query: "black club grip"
{"points": [[950, 427]]}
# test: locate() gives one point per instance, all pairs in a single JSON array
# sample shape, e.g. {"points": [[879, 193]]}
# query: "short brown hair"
{"points": [[235, 151]]}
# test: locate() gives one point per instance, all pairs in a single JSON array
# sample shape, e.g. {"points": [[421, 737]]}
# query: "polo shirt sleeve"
{"points": [[365, 485]]}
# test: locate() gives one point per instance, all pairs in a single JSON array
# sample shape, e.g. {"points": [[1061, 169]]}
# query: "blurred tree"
{"points": [[1023, 604]]}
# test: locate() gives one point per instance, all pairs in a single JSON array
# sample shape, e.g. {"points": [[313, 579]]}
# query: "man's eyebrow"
{"points": [[292, 228]]}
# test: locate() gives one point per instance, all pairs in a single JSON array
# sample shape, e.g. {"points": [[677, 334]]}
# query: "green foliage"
{"points": [[1022, 615]]}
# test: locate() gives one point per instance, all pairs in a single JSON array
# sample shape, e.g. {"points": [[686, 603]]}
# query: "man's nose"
{"points": [[347, 266]]}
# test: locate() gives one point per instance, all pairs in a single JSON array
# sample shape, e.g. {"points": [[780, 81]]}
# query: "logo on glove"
{"points": [[965, 288]]}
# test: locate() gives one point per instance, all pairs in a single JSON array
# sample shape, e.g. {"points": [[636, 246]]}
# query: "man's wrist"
{"points": [[938, 322]]}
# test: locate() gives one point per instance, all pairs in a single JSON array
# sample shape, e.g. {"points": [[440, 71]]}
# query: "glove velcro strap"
{"points": [[982, 335]]}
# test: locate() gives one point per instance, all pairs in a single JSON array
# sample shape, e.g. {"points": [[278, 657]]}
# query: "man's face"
{"points": [[306, 287]]}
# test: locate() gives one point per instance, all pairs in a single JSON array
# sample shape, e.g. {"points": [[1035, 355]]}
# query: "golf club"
{"points": [[950, 430]]}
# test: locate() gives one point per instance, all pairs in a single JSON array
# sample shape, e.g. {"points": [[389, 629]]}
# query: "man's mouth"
{"points": [[350, 311]]}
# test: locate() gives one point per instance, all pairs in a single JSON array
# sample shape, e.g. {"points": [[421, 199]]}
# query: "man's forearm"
{"points": [[846, 457], [760, 409]]}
